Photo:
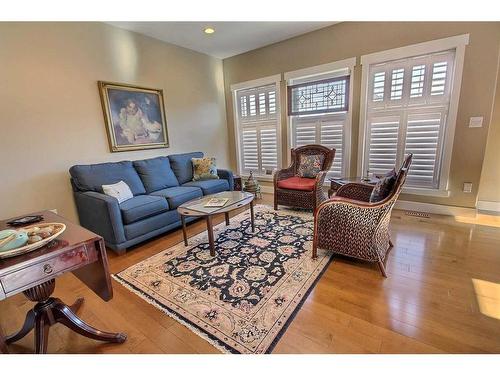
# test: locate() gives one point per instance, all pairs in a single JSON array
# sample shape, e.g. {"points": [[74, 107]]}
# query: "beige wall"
{"points": [[489, 188], [353, 39], [50, 111]]}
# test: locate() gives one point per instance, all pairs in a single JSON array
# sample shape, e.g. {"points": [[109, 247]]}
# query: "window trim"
{"points": [[458, 43], [269, 80], [346, 65]]}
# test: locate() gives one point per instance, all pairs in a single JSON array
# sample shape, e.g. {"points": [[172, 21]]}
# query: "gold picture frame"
{"points": [[134, 117]]}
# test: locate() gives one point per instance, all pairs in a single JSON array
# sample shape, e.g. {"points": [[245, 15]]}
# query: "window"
{"points": [[257, 124], [408, 106], [329, 95], [318, 110]]}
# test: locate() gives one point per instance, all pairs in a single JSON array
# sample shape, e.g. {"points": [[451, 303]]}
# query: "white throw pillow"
{"points": [[120, 191]]}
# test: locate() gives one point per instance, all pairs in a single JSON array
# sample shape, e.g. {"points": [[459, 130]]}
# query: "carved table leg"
{"points": [[227, 218], [3, 346], [29, 324], [41, 334], [64, 315], [49, 311]]}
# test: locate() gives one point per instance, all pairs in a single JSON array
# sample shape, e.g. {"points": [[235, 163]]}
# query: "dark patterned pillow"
{"points": [[383, 187], [310, 165]]}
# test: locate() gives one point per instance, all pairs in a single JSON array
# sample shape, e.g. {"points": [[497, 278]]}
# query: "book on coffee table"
{"points": [[216, 202]]}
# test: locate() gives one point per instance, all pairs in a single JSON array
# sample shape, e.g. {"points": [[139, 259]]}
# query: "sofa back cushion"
{"points": [[92, 177], [182, 165], [156, 173]]}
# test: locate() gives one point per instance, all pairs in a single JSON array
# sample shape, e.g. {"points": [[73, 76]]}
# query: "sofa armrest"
{"points": [[101, 214], [226, 174]]}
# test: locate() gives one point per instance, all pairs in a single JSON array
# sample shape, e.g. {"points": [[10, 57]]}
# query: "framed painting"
{"points": [[134, 117]]}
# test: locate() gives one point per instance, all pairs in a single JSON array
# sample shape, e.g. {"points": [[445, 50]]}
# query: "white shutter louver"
{"points": [[327, 130], [383, 144], [249, 145], [268, 149], [409, 116], [422, 140], [258, 130], [397, 84]]}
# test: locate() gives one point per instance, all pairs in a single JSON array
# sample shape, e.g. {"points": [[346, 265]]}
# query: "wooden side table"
{"points": [[76, 250], [238, 186], [336, 183]]}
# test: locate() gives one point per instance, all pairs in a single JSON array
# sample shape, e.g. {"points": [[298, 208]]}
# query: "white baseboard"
{"points": [[488, 206], [431, 208], [267, 189], [435, 208]]}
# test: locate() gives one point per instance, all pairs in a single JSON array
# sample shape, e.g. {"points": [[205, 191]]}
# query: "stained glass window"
{"points": [[329, 95]]}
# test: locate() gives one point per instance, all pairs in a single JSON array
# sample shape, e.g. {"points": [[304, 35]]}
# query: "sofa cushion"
{"points": [[209, 186], [182, 166], [156, 173], [178, 195], [297, 183], [92, 177], [141, 207], [151, 224]]}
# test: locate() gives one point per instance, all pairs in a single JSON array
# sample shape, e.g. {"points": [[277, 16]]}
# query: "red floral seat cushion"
{"points": [[297, 183]]}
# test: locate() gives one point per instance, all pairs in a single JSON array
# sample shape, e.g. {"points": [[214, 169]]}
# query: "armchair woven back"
{"points": [[301, 198], [350, 225], [328, 155], [400, 179]]}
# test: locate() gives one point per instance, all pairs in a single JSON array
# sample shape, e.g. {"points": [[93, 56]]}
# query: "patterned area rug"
{"points": [[243, 299]]}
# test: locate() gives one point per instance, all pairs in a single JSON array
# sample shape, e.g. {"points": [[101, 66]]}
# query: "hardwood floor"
{"points": [[444, 281]]}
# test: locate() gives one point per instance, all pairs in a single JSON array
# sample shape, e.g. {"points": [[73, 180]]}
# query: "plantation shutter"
{"points": [[258, 129], [318, 110], [408, 102]]}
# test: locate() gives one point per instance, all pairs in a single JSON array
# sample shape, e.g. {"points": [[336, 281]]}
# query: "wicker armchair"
{"points": [[350, 225], [303, 197]]}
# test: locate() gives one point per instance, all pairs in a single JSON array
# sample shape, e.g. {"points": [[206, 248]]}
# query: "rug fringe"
{"points": [[151, 301]]}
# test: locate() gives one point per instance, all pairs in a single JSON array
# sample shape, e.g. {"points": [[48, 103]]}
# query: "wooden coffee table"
{"points": [[195, 208]]}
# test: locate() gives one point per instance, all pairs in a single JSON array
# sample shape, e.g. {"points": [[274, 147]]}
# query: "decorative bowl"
{"points": [[59, 228]]}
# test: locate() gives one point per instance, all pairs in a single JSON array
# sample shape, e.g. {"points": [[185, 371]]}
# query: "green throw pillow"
{"points": [[204, 169]]}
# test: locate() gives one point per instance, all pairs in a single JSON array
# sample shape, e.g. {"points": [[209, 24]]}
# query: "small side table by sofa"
{"points": [[238, 186], [336, 183], [76, 250]]}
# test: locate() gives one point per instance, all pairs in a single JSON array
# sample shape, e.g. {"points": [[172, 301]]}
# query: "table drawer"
{"points": [[45, 270]]}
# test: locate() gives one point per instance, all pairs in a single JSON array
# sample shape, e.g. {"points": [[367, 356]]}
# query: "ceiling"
{"points": [[229, 39]]}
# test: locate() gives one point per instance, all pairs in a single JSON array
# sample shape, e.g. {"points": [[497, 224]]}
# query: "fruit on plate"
{"points": [[12, 239]]}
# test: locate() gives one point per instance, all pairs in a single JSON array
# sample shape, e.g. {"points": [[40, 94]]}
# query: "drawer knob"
{"points": [[47, 269]]}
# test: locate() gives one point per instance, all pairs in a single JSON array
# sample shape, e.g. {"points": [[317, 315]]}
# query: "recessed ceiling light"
{"points": [[209, 30]]}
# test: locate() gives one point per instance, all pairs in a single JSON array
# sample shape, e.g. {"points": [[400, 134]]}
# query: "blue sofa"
{"points": [[159, 186]]}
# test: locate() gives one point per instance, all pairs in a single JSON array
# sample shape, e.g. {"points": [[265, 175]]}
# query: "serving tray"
{"points": [[59, 227]]}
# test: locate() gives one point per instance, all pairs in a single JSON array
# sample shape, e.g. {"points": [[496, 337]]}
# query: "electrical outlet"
{"points": [[467, 187], [476, 122]]}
